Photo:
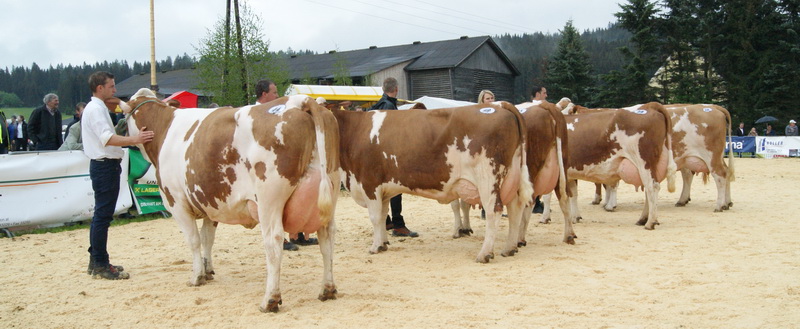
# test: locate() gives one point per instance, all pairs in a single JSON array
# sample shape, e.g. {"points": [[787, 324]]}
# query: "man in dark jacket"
{"points": [[395, 223], [5, 138], [44, 127]]}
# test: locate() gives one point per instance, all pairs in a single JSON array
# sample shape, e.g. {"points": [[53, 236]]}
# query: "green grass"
{"points": [[26, 111], [86, 224]]}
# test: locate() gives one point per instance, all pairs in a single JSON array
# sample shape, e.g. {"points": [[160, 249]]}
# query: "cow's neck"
{"points": [[156, 118]]}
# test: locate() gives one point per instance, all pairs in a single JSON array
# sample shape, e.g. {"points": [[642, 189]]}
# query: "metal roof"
{"points": [[169, 83], [424, 56]]}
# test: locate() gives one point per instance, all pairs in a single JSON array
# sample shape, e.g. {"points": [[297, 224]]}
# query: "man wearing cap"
{"points": [[791, 129]]}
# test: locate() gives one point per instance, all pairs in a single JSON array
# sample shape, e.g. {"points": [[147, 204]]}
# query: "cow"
{"points": [[609, 145], [699, 133], [273, 165], [476, 153], [547, 137]]}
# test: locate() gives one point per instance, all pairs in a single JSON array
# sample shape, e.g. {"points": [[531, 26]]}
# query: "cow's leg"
{"points": [[598, 193], [728, 200], [515, 208], [545, 199], [492, 219], [378, 209], [569, 233], [326, 236], [720, 182], [188, 226], [523, 224], [456, 207], [573, 201], [207, 234], [270, 220], [611, 196], [649, 215], [466, 227], [687, 176], [461, 214]]}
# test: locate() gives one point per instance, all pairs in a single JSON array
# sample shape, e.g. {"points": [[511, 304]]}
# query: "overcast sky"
{"points": [[73, 32]]}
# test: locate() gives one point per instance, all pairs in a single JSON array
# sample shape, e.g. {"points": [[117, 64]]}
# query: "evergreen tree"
{"points": [[569, 72], [631, 85]]}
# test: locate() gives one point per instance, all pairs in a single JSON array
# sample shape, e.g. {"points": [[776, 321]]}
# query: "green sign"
{"points": [[147, 196]]}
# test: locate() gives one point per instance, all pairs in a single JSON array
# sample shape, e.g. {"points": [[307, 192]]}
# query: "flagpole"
{"points": [[153, 83]]}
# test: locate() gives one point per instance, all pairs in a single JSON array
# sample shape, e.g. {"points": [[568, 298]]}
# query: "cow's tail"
{"points": [[672, 168], [525, 185], [731, 176], [327, 147]]}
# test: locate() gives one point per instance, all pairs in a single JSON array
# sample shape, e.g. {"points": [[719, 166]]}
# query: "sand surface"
{"points": [[698, 269]]}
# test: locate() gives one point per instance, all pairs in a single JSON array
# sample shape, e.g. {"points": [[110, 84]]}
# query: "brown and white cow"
{"points": [[474, 153], [631, 144], [274, 165], [699, 133], [547, 137]]}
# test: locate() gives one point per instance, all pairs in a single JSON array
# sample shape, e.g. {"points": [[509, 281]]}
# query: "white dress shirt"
{"points": [[97, 129]]}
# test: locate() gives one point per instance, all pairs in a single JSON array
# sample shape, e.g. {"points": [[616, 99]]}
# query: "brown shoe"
{"points": [[109, 273], [403, 231]]}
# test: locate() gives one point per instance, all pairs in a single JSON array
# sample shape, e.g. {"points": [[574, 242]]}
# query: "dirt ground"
{"points": [[698, 269]]}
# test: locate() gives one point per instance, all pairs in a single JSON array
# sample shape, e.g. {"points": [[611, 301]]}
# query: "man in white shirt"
{"points": [[104, 148]]}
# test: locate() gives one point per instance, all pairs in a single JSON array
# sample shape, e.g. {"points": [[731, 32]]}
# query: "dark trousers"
{"points": [[20, 144], [105, 183], [45, 146], [396, 205]]}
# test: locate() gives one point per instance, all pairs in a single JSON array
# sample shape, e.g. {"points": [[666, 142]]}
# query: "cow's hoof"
{"points": [[272, 306], [641, 222], [509, 253], [465, 232], [730, 204], [570, 239], [544, 221], [198, 281], [522, 243], [651, 226], [485, 259], [610, 210], [717, 210], [328, 293], [680, 204], [209, 276], [578, 219], [595, 202]]}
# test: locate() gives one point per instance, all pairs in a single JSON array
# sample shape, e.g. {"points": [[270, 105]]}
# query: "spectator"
{"points": [[12, 133], [791, 129], [396, 223], [104, 149], [740, 131], [5, 138], [769, 131], [75, 118], [486, 96], [538, 93], [21, 139], [74, 140], [753, 132], [267, 91], [44, 128]]}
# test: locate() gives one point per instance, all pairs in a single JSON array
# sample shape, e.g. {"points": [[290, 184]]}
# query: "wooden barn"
{"points": [[455, 69]]}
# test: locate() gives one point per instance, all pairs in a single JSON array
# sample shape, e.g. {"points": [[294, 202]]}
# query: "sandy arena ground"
{"points": [[698, 269]]}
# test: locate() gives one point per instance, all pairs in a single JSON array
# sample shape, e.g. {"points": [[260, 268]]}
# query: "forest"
{"points": [[741, 54]]}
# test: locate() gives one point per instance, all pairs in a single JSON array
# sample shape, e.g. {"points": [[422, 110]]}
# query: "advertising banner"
{"points": [[51, 187], [745, 144], [144, 185], [777, 146]]}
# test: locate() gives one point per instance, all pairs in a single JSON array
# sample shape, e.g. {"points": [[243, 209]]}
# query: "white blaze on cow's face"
{"points": [[377, 122]]}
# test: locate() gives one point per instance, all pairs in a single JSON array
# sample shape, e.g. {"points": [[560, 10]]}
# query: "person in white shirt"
{"points": [[104, 148]]}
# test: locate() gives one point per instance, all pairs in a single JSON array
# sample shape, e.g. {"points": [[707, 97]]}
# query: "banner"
{"points": [[144, 185], [51, 187], [744, 144], [777, 146]]}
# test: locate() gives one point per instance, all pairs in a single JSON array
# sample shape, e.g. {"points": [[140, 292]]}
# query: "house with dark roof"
{"points": [[455, 69]]}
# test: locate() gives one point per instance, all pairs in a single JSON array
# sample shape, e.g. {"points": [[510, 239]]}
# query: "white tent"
{"points": [[436, 103]]}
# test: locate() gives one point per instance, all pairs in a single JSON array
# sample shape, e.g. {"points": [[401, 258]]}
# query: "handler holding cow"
{"points": [[103, 147]]}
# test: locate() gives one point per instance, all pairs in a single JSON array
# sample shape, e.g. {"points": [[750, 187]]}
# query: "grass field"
{"points": [[9, 111]]}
